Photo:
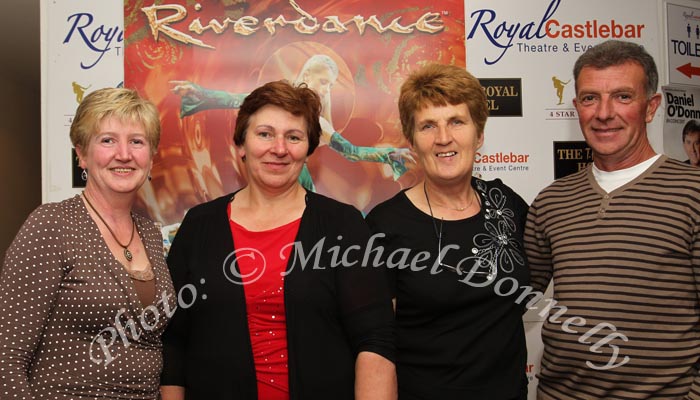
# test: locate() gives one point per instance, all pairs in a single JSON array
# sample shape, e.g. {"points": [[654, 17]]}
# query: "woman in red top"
{"points": [[280, 316]]}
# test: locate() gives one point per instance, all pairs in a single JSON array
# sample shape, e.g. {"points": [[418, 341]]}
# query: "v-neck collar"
{"points": [[109, 262]]}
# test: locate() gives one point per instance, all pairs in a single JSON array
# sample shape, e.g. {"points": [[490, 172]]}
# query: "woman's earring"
{"points": [[84, 175], [149, 177]]}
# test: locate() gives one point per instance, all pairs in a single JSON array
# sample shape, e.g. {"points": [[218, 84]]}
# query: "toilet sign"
{"points": [[683, 24]]}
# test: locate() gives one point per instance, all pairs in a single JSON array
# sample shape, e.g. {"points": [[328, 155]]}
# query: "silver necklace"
{"points": [[471, 201], [458, 269]]}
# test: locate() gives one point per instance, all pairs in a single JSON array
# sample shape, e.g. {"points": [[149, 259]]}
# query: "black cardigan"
{"points": [[333, 313]]}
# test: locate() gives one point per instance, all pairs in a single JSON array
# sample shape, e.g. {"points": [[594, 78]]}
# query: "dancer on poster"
{"points": [[194, 164], [319, 73]]}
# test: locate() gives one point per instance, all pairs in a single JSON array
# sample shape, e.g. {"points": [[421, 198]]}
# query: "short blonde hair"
{"points": [[123, 104], [440, 85]]}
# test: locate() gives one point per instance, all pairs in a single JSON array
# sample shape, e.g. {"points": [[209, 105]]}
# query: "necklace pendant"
{"points": [[127, 254]]}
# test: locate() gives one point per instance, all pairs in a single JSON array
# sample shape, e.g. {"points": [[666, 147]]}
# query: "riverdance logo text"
{"points": [[303, 23]]}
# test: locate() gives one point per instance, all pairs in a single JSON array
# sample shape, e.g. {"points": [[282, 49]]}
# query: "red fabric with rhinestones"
{"points": [[261, 259]]}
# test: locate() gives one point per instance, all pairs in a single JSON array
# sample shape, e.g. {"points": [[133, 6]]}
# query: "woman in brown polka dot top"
{"points": [[85, 290]]}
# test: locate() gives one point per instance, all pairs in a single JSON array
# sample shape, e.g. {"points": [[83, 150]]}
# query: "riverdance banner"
{"points": [[197, 62]]}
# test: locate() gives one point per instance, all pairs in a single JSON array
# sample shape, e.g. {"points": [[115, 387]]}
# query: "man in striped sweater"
{"points": [[621, 242]]}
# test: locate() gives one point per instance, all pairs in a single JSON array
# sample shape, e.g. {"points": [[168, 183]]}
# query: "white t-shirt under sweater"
{"points": [[611, 180]]}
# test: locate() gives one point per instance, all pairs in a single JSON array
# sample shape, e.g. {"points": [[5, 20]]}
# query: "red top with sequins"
{"points": [[261, 259]]}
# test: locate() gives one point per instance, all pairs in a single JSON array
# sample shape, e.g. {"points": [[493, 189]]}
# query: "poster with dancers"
{"points": [[197, 61]]}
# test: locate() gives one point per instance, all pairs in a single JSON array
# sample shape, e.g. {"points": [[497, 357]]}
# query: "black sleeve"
{"points": [[521, 208], [381, 248], [364, 301], [175, 336]]}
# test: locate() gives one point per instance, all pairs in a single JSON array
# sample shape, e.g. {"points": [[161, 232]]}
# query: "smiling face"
{"points": [[446, 140], [614, 110], [691, 144], [275, 148], [118, 158]]}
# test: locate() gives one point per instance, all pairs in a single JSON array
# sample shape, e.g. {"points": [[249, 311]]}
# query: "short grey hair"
{"points": [[617, 52]]}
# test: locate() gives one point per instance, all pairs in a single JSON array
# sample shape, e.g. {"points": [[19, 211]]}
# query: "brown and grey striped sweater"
{"points": [[624, 322]]}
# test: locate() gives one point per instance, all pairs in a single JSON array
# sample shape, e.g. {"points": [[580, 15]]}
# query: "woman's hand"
{"points": [[171, 392], [402, 155], [326, 126], [186, 89], [375, 377]]}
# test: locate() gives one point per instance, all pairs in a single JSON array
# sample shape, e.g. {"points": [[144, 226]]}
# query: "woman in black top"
{"points": [[266, 309], [453, 249]]}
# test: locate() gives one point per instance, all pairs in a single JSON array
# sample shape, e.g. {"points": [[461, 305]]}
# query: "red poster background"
{"points": [[196, 161]]}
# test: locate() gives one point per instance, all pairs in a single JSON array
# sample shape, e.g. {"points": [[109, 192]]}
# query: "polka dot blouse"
{"points": [[71, 323]]}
